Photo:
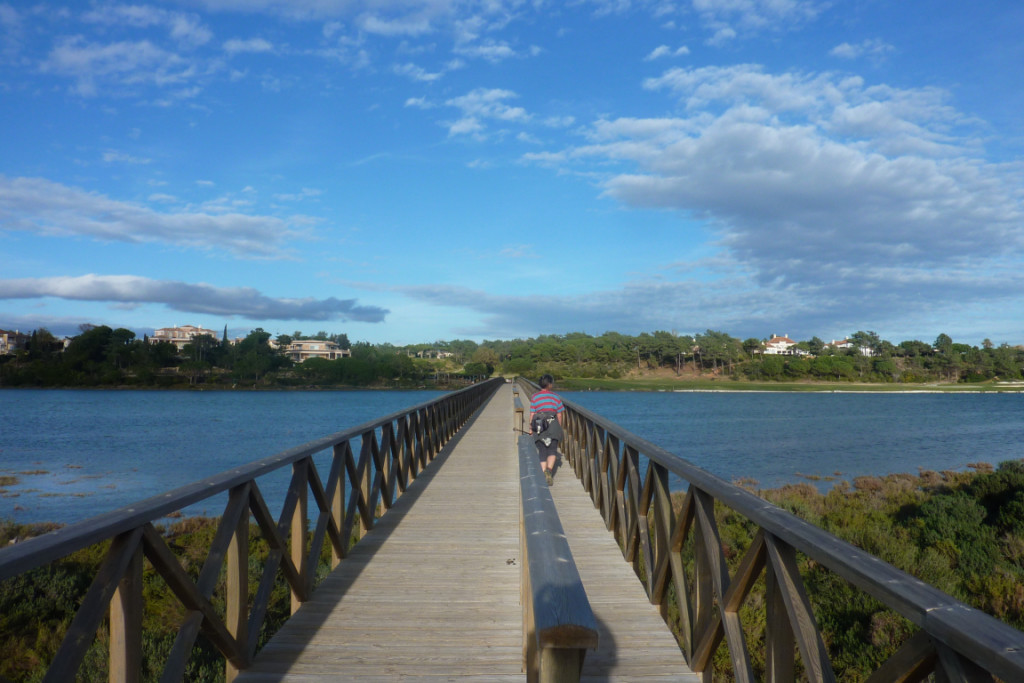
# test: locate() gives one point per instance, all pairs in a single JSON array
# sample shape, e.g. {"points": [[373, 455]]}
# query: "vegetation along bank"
{"points": [[962, 532]]}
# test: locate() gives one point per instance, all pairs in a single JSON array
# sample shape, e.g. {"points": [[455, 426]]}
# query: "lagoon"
{"points": [[777, 438], [77, 453]]}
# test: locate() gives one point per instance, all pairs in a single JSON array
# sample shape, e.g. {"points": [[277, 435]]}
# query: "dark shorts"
{"points": [[546, 451]]}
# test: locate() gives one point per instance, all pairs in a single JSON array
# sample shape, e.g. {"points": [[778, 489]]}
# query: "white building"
{"points": [[782, 346], [304, 349], [844, 344], [180, 336]]}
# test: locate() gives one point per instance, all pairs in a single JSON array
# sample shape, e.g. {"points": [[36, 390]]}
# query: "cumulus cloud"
{"points": [[12, 30], [251, 45], [243, 302], [757, 14], [123, 63], [483, 104], [727, 20], [666, 51], [819, 185], [417, 73], [490, 50], [872, 48], [112, 156], [187, 29], [44, 207]]}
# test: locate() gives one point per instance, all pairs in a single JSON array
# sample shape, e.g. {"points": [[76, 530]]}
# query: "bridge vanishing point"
{"points": [[468, 567]]}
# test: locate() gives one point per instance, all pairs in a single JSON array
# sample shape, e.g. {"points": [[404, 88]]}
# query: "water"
{"points": [[779, 438], [80, 453]]}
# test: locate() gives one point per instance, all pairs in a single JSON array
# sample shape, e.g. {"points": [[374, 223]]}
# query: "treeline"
{"points": [[102, 356], [105, 357], [962, 532], [867, 359]]}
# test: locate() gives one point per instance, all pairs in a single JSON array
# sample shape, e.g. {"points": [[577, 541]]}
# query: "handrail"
{"points": [[955, 640], [408, 441], [558, 623]]}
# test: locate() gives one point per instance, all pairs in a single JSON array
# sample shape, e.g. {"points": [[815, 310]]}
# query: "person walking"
{"points": [[546, 409]]}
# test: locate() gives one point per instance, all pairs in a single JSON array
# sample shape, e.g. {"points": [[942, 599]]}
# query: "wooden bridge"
{"points": [[468, 567]]}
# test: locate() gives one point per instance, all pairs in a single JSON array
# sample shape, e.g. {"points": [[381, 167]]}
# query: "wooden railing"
{"points": [[627, 478], [558, 623], [392, 451]]}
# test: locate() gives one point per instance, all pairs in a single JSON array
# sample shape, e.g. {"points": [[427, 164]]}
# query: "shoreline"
{"points": [[653, 385]]}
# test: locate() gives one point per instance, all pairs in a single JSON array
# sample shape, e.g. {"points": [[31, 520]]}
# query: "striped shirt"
{"points": [[545, 400]]}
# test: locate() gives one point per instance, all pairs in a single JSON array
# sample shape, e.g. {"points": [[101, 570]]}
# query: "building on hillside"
{"points": [[845, 344], [12, 341], [434, 353], [782, 346], [304, 349], [180, 336]]}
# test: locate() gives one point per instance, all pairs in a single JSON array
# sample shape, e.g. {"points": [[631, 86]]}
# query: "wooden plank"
{"points": [[126, 624], [634, 641], [432, 591]]}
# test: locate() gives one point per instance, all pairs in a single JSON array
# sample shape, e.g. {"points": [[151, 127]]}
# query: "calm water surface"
{"points": [[80, 453], [778, 438]]}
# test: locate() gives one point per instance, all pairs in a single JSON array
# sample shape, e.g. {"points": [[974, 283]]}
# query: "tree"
{"points": [[752, 346], [719, 348], [866, 342]]}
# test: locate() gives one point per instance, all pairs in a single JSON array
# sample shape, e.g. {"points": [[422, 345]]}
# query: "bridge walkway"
{"points": [[432, 592], [636, 645]]}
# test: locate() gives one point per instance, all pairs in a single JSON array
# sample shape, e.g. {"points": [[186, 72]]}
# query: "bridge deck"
{"points": [[635, 642], [432, 593]]}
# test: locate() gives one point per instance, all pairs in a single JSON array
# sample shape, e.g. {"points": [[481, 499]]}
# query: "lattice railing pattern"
{"points": [[391, 452], [627, 478]]}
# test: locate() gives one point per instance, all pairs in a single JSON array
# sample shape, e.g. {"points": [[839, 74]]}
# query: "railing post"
{"points": [[338, 501], [299, 530], [559, 665], [126, 624], [237, 591], [779, 640]]}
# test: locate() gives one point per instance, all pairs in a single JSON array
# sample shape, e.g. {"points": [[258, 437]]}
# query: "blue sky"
{"points": [[411, 170]]}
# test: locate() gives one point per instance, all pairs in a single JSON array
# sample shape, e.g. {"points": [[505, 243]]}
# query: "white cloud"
{"points": [[410, 25], [305, 193], [44, 207], [490, 50], [244, 302], [251, 45], [483, 104], [722, 35], [12, 30], [419, 103], [112, 156], [729, 19], [187, 29], [872, 48], [466, 126], [417, 73], [666, 51], [122, 63], [758, 14], [819, 186]]}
